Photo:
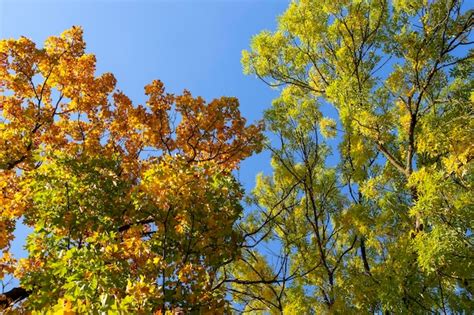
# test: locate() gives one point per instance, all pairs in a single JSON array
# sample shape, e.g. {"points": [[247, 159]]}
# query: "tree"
{"points": [[133, 207], [389, 229]]}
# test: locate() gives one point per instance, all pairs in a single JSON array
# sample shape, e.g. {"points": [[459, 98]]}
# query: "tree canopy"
{"points": [[389, 228], [133, 207], [368, 207]]}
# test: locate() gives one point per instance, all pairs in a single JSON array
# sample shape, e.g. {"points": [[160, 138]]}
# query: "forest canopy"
{"points": [[368, 207]]}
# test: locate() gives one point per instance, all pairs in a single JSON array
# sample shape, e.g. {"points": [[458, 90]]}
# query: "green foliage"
{"points": [[389, 228]]}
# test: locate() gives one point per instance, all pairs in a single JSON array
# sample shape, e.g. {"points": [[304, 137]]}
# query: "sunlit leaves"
{"points": [[399, 75], [133, 206]]}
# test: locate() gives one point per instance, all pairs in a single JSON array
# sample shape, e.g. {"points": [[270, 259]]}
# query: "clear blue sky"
{"points": [[194, 45]]}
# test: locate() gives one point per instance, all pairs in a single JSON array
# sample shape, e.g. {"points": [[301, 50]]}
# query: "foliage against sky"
{"points": [[115, 228], [389, 229], [136, 208]]}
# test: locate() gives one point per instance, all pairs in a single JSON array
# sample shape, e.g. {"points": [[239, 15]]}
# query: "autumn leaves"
{"points": [[133, 207]]}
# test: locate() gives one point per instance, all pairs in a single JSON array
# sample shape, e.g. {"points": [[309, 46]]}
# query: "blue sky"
{"points": [[194, 45]]}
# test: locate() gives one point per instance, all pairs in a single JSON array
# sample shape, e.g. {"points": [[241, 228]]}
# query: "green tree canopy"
{"points": [[389, 228]]}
